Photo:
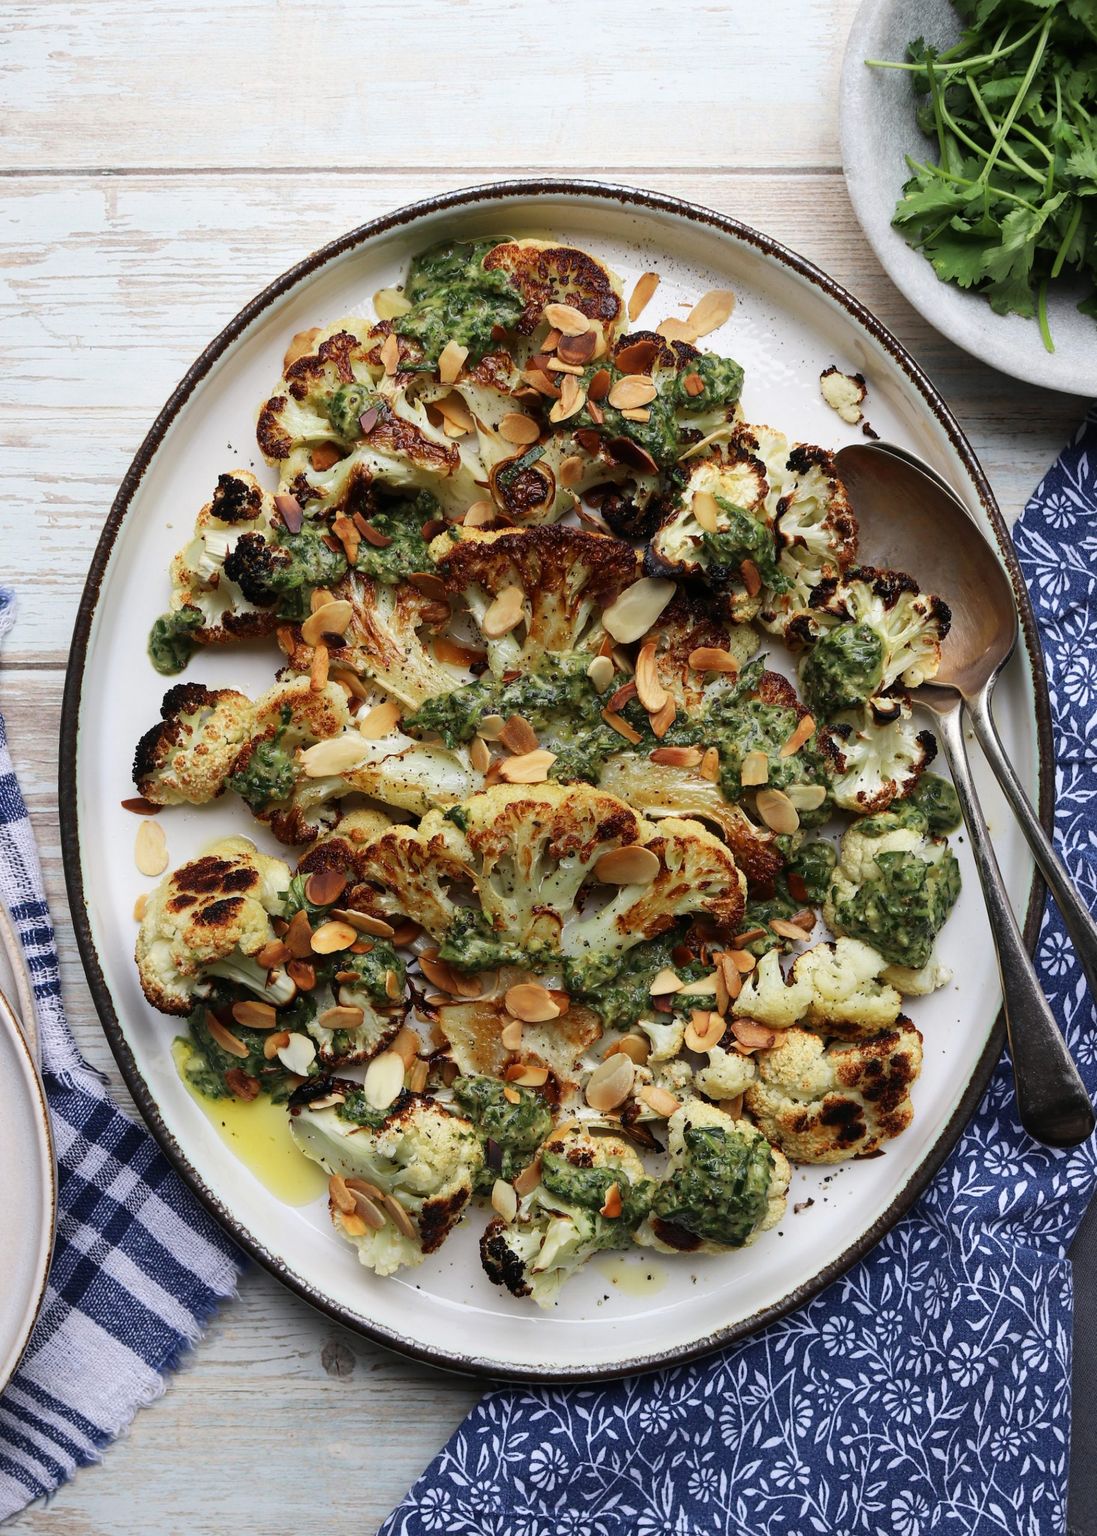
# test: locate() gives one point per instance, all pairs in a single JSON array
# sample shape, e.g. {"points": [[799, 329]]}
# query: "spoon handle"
{"points": [[1075, 914], [1052, 1102]]}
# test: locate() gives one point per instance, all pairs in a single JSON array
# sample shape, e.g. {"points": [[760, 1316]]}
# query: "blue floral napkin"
{"points": [[929, 1389], [138, 1266]]}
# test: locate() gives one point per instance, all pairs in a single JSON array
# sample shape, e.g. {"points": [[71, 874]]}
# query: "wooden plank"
{"points": [[483, 86], [126, 280]]}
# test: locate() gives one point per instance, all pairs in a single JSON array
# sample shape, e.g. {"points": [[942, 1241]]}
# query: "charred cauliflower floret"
{"points": [[686, 626], [544, 588], [268, 773], [416, 872], [592, 1195], [837, 988], [824, 1103], [816, 533], [876, 631], [186, 759], [281, 570], [541, 273], [725, 1184], [208, 919], [323, 391], [206, 607], [414, 1165], [727, 1075], [894, 886], [880, 755]]}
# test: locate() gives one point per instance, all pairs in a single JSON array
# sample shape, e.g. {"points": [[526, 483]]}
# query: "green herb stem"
{"points": [[1041, 314], [1018, 100]]}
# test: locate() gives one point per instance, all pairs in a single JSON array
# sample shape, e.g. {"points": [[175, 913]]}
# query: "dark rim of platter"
{"points": [[560, 190]]}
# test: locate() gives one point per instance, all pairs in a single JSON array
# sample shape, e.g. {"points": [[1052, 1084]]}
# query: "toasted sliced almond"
{"points": [[400, 1219], [527, 1075], [353, 1225], [665, 982], [636, 610], [364, 922], [479, 754], [332, 619], [755, 769], [787, 930], [530, 1176], [611, 1209], [704, 986], [578, 350], [417, 1076], [571, 471], [731, 976], [150, 848], [710, 765], [390, 303], [641, 295], [704, 1030], [510, 1036], [742, 960], [451, 360], [505, 611], [807, 797], [491, 727], [438, 973], [504, 1200], [752, 1035], [693, 384], [479, 513], [302, 974], [300, 346], [611, 1082], [333, 936], [389, 353], [341, 1197], [384, 1079], [527, 768], [341, 1017], [631, 865], [659, 1101], [752, 578], [677, 757], [518, 428], [777, 811], [531, 1002], [140, 907], [275, 1043], [632, 391], [662, 720], [706, 511], [335, 755], [572, 398], [712, 658], [406, 1045], [252, 1014], [518, 736], [600, 673], [804, 731], [566, 319], [324, 455], [650, 691], [621, 726], [380, 721], [711, 311], [456, 417], [325, 886], [298, 936], [512, 1095], [673, 329], [368, 1211], [225, 1037], [298, 1055]]}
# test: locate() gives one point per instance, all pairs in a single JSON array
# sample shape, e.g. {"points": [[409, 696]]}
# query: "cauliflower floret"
{"points": [[727, 1075], [899, 631], [206, 608], [544, 273], [879, 759], [416, 872], [268, 773], [474, 1032], [666, 1034], [418, 1161], [920, 983], [894, 886], [207, 919], [825, 1103], [685, 626], [324, 390], [725, 1184], [816, 533], [834, 986], [565, 576], [186, 759], [592, 1195]]}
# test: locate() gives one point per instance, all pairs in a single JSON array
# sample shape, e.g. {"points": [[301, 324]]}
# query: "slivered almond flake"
{"points": [[636, 1047], [406, 1045], [621, 697], [456, 417], [150, 849], [597, 389], [334, 756], [242, 1085], [704, 986], [710, 765], [405, 934], [252, 1014], [491, 727], [430, 585], [631, 865], [611, 1082], [723, 996], [352, 683], [566, 319], [631, 391], [755, 769], [557, 366], [275, 1043], [479, 513], [400, 1219], [364, 922], [705, 511], [298, 936], [600, 673], [704, 1030], [318, 671], [807, 797], [660, 1102], [786, 930], [777, 810], [730, 975], [353, 1225], [527, 768], [571, 470], [357, 1185], [752, 1035], [572, 397], [367, 1211], [518, 736], [711, 311], [662, 720], [512, 1095], [380, 720], [300, 346], [677, 757], [390, 303], [140, 806], [451, 360], [504, 613], [527, 1075], [636, 413], [577, 350], [439, 973], [341, 1197], [531, 1003], [372, 535], [804, 919], [225, 1037], [641, 295], [650, 691], [390, 354], [519, 429], [529, 1178], [504, 1200], [417, 1076], [804, 731], [456, 655], [333, 936], [479, 754], [343, 1016], [612, 1206], [665, 982], [673, 329], [621, 726], [636, 610], [140, 907], [302, 974], [393, 987], [752, 578], [323, 887], [510, 1036], [742, 960], [348, 534], [384, 1079], [712, 658]]}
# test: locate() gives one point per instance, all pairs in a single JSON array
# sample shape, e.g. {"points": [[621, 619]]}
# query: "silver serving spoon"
{"points": [[910, 520]]}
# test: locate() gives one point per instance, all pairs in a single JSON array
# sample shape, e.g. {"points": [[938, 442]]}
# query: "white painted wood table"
{"points": [[162, 161]]}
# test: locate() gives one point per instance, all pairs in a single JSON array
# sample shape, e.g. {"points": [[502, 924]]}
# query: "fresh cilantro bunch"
{"points": [[1012, 200]]}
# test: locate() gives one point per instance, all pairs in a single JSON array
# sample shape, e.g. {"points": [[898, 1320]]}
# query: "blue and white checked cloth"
{"points": [[928, 1390], [138, 1266]]}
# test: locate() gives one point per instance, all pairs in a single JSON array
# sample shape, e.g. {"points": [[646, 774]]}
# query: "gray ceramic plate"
{"points": [[878, 129]]}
